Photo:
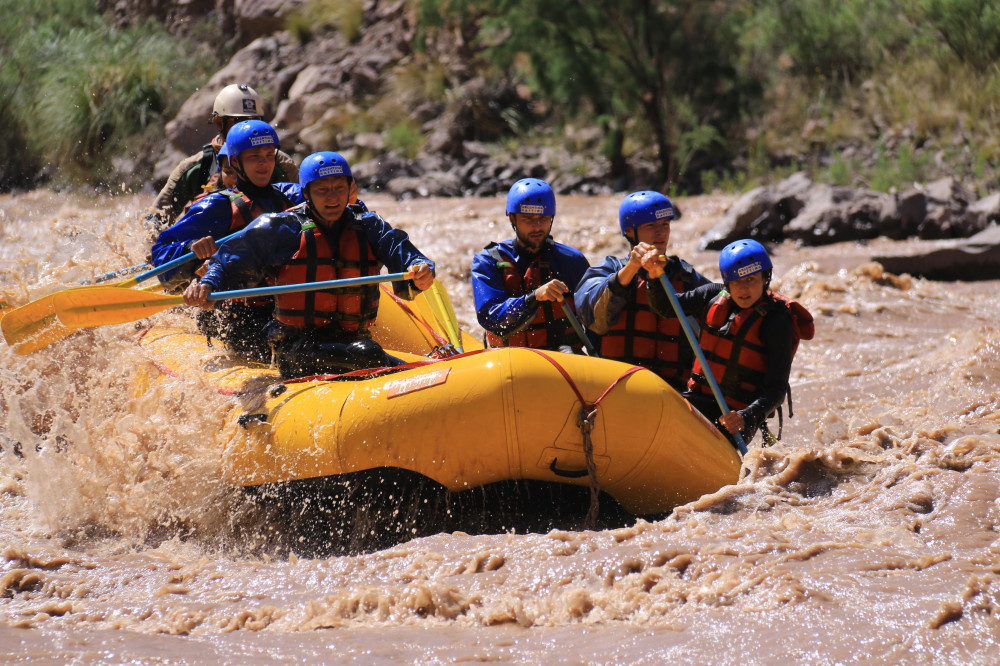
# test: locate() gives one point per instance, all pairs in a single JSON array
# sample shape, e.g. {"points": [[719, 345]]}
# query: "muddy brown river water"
{"points": [[869, 534]]}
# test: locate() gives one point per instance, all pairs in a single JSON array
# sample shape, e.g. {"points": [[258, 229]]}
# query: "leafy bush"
{"points": [[319, 15], [77, 91], [403, 138], [827, 40], [969, 28]]}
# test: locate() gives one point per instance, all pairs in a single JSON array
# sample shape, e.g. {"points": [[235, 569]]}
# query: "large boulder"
{"points": [[947, 201], [835, 214], [974, 258], [761, 213], [753, 208], [260, 18]]}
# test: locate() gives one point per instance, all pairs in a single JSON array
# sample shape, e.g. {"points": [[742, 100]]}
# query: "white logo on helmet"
{"points": [[263, 140], [744, 271], [332, 170], [665, 212], [532, 209], [250, 105]]}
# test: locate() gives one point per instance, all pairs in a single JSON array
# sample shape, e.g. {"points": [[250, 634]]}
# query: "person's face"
{"points": [[228, 173], [328, 198], [531, 230], [655, 233], [258, 164], [225, 123], [747, 291]]}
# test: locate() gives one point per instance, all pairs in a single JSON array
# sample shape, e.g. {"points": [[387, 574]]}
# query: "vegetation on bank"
{"points": [[79, 95], [684, 95], [729, 94]]}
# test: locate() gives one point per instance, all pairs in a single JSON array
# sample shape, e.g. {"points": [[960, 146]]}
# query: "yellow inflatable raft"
{"points": [[464, 421]]}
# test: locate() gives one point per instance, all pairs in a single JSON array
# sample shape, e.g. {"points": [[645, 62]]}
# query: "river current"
{"points": [[869, 534]]}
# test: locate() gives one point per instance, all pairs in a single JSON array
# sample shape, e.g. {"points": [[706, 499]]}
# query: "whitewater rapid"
{"points": [[868, 534]]}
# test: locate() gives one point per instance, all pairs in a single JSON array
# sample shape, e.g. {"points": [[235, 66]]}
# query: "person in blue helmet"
{"points": [[522, 284], [613, 301], [194, 175], [319, 332], [749, 335], [223, 179], [227, 174], [241, 324]]}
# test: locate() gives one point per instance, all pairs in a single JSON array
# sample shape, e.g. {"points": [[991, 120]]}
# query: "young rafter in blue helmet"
{"points": [[613, 297], [749, 335], [194, 175], [521, 285], [252, 146], [319, 332]]}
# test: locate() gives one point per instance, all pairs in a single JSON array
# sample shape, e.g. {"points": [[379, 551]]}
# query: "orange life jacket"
{"points": [[734, 350], [245, 211], [550, 328], [351, 309], [641, 337]]}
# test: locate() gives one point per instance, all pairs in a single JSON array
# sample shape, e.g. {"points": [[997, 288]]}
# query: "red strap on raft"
{"points": [[590, 406], [438, 338], [371, 372]]}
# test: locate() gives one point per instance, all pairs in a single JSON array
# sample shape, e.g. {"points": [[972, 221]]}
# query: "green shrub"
{"points": [[970, 29], [404, 138], [315, 16], [78, 91]]}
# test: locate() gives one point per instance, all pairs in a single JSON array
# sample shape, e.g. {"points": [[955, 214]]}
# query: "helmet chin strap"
{"points": [[237, 163]]}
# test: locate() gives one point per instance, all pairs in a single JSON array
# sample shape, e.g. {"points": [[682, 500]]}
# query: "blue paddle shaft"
{"points": [[309, 286], [686, 326], [121, 272], [175, 263]]}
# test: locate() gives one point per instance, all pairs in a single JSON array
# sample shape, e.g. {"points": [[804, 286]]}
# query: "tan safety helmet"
{"points": [[238, 100]]}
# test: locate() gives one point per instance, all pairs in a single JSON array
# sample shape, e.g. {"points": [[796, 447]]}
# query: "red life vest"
{"points": [[641, 337], [549, 329], [734, 350], [245, 211], [351, 309]]}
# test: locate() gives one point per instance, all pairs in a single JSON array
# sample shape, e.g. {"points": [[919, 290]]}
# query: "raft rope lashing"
{"points": [[586, 421]]}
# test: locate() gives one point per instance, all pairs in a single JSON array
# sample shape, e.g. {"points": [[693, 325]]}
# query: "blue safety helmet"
{"points": [[248, 134], [742, 258], [641, 208], [322, 164], [531, 196], [224, 151]]}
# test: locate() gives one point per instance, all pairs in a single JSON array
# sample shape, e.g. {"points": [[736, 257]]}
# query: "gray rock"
{"points": [[983, 213], [841, 214], [971, 259], [911, 206], [761, 213], [259, 18]]}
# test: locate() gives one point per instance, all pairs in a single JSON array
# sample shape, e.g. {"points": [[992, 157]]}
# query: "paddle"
{"points": [[34, 325], [121, 272], [443, 311], [96, 306], [575, 323], [170, 265], [716, 391]]}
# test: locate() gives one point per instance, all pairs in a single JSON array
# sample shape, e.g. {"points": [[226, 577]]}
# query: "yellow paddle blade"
{"points": [[32, 326], [437, 297], [102, 306]]}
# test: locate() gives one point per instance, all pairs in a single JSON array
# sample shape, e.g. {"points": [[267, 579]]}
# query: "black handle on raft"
{"points": [[246, 419], [569, 474]]}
